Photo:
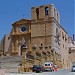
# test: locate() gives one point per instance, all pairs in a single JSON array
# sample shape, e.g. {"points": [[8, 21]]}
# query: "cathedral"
{"points": [[43, 37]]}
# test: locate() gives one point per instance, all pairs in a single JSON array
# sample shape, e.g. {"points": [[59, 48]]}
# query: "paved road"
{"points": [[60, 72]]}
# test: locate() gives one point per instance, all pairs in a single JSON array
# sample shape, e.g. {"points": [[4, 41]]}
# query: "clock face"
{"points": [[23, 28]]}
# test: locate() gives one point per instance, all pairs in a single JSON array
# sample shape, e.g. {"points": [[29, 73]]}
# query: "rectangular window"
{"points": [[63, 61], [46, 10], [65, 38], [63, 35], [57, 16], [37, 12]]}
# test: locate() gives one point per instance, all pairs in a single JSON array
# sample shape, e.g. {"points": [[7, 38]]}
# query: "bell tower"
{"points": [[21, 35], [45, 12]]}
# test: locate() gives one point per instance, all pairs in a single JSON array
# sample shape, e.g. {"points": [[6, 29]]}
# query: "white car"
{"points": [[73, 68], [48, 66]]}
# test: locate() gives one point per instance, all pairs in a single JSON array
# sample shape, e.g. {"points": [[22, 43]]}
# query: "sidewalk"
{"points": [[2, 71]]}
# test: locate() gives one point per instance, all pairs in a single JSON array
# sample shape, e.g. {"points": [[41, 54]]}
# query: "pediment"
{"points": [[22, 21]]}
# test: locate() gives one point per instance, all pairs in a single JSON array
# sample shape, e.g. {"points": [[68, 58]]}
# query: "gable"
{"points": [[22, 21]]}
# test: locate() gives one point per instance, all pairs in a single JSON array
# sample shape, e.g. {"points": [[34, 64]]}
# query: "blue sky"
{"points": [[13, 10]]}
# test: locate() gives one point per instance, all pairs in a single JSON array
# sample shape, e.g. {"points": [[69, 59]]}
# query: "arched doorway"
{"points": [[20, 49]]}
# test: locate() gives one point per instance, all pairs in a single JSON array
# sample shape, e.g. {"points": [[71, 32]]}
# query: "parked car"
{"points": [[37, 68], [48, 66], [73, 68]]}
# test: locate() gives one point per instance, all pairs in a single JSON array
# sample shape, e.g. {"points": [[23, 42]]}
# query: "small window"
{"points": [[57, 16], [41, 44], [54, 13], [46, 10], [37, 12], [65, 38], [56, 30], [8, 38], [62, 35]]}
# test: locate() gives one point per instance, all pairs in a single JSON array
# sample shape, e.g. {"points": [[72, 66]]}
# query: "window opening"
{"points": [[46, 10], [37, 12], [41, 44]]}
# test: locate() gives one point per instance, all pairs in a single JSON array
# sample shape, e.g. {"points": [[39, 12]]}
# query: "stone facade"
{"points": [[46, 24], [71, 47], [64, 48], [19, 35], [42, 35]]}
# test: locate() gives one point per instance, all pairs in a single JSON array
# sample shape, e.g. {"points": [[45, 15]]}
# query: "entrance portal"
{"points": [[20, 49]]}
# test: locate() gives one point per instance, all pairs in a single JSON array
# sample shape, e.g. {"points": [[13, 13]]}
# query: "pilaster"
{"points": [[12, 45], [16, 44]]}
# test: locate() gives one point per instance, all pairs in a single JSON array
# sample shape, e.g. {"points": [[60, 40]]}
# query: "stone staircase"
{"points": [[10, 63]]}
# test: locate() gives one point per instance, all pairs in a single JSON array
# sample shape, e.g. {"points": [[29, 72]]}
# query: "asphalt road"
{"points": [[60, 72]]}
